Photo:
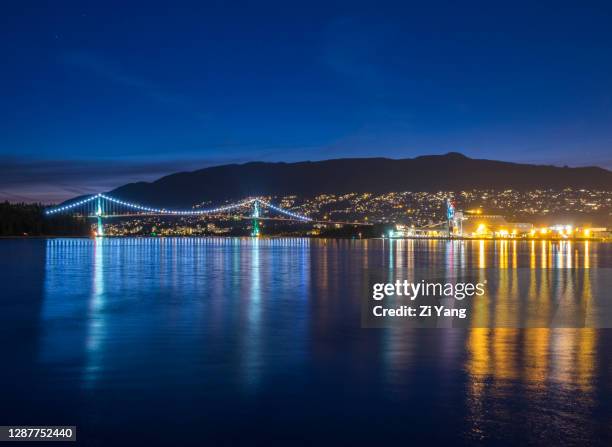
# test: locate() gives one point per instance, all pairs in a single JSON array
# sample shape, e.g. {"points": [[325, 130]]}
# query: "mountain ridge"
{"points": [[448, 172]]}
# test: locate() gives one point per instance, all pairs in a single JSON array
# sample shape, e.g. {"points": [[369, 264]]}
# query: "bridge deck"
{"points": [[236, 217]]}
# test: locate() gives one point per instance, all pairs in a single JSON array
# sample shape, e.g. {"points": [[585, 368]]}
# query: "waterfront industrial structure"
{"points": [[474, 224]]}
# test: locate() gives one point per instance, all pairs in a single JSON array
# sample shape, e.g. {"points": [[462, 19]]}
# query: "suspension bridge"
{"points": [[102, 206]]}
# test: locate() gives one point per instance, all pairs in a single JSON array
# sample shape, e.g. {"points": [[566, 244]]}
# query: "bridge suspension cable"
{"points": [[163, 211], [70, 206], [283, 211]]}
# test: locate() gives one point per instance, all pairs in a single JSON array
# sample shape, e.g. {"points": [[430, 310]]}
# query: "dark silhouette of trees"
{"points": [[25, 219]]}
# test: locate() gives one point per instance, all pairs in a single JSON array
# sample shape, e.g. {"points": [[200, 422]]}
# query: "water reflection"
{"points": [[539, 369], [530, 284], [205, 326], [96, 317], [535, 357], [252, 330]]}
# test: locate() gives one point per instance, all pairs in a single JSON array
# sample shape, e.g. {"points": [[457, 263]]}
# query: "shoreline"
{"points": [[310, 237]]}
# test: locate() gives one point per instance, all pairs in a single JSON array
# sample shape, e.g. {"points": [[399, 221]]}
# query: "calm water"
{"points": [[225, 341]]}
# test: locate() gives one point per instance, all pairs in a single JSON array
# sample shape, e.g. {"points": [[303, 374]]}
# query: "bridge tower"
{"points": [[450, 215], [255, 232], [100, 230]]}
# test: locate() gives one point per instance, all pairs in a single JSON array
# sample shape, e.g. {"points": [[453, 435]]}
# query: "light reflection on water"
{"points": [[214, 328]]}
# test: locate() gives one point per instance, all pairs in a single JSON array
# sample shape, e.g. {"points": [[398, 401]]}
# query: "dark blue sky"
{"points": [[95, 95]]}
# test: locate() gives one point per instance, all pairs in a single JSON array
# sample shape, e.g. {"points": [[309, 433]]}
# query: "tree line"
{"points": [[29, 219]]}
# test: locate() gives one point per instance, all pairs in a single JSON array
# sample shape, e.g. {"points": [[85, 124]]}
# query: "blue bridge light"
{"points": [[98, 210]]}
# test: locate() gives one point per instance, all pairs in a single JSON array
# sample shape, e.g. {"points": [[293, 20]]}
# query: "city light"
{"points": [[423, 217]]}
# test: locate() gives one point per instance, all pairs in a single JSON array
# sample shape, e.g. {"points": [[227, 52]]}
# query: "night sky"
{"points": [[96, 95]]}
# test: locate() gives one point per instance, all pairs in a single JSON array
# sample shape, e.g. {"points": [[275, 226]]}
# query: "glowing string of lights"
{"points": [[177, 212], [283, 211], [72, 205]]}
